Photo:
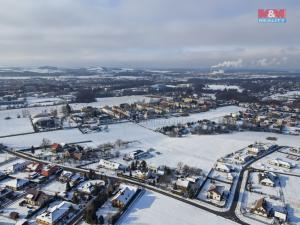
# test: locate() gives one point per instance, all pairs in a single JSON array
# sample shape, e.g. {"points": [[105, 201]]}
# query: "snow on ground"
{"points": [[212, 114], [154, 208], [45, 101], [195, 150], [15, 126], [289, 94], [264, 163], [223, 87], [110, 101], [54, 187], [100, 103], [291, 191]]}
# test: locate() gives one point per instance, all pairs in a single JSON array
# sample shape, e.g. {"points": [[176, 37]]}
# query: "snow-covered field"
{"points": [[291, 193], [195, 150], [210, 115], [15, 126], [154, 208], [33, 101], [110, 101]]}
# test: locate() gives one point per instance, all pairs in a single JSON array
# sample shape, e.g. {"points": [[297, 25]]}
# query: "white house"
{"points": [[89, 186], [123, 196], [16, 184], [281, 163], [54, 214], [16, 167], [266, 179], [223, 167], [215, 192], [183, 183], [281, 215], [256, 149]]}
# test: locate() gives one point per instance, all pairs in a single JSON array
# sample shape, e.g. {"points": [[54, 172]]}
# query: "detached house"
{"points": [[17, 184], [223, 167], [55, 214], [215, 192], [281, 163], [260, 207], [49, 170], [183, 183], [255, 149], [267, 179], [55, 147], [123, 197], [37, 198]]}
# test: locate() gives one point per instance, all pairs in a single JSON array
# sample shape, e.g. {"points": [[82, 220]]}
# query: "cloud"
{"points": [[144, 33], [269, 62]]}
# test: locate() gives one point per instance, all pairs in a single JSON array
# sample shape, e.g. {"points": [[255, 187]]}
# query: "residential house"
{"points": [[260, 207], [255, 149], [281, 163], [65, 176], [17, 184], [37, 198], [34, 167], [242, 159], [55, 214], [137, 154], [76, 179], [19, 166], [281, 215], [55, 147], [267, 179], [216, 192], [183, 183], [49, 170], [110, 165], [88, 187], [223, 167], [123, 196]]}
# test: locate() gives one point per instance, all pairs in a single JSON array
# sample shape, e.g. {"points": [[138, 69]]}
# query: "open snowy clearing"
{"points": [[154, 208], [195, 150], [15, 126]]}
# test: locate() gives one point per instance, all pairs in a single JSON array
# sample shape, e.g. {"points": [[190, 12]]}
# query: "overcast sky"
{"points": [[148, 33]]}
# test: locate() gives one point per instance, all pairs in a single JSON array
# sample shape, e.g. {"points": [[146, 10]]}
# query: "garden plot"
{"points": [[222, 176], [55, 187], [264, 190], [249, 199]]}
